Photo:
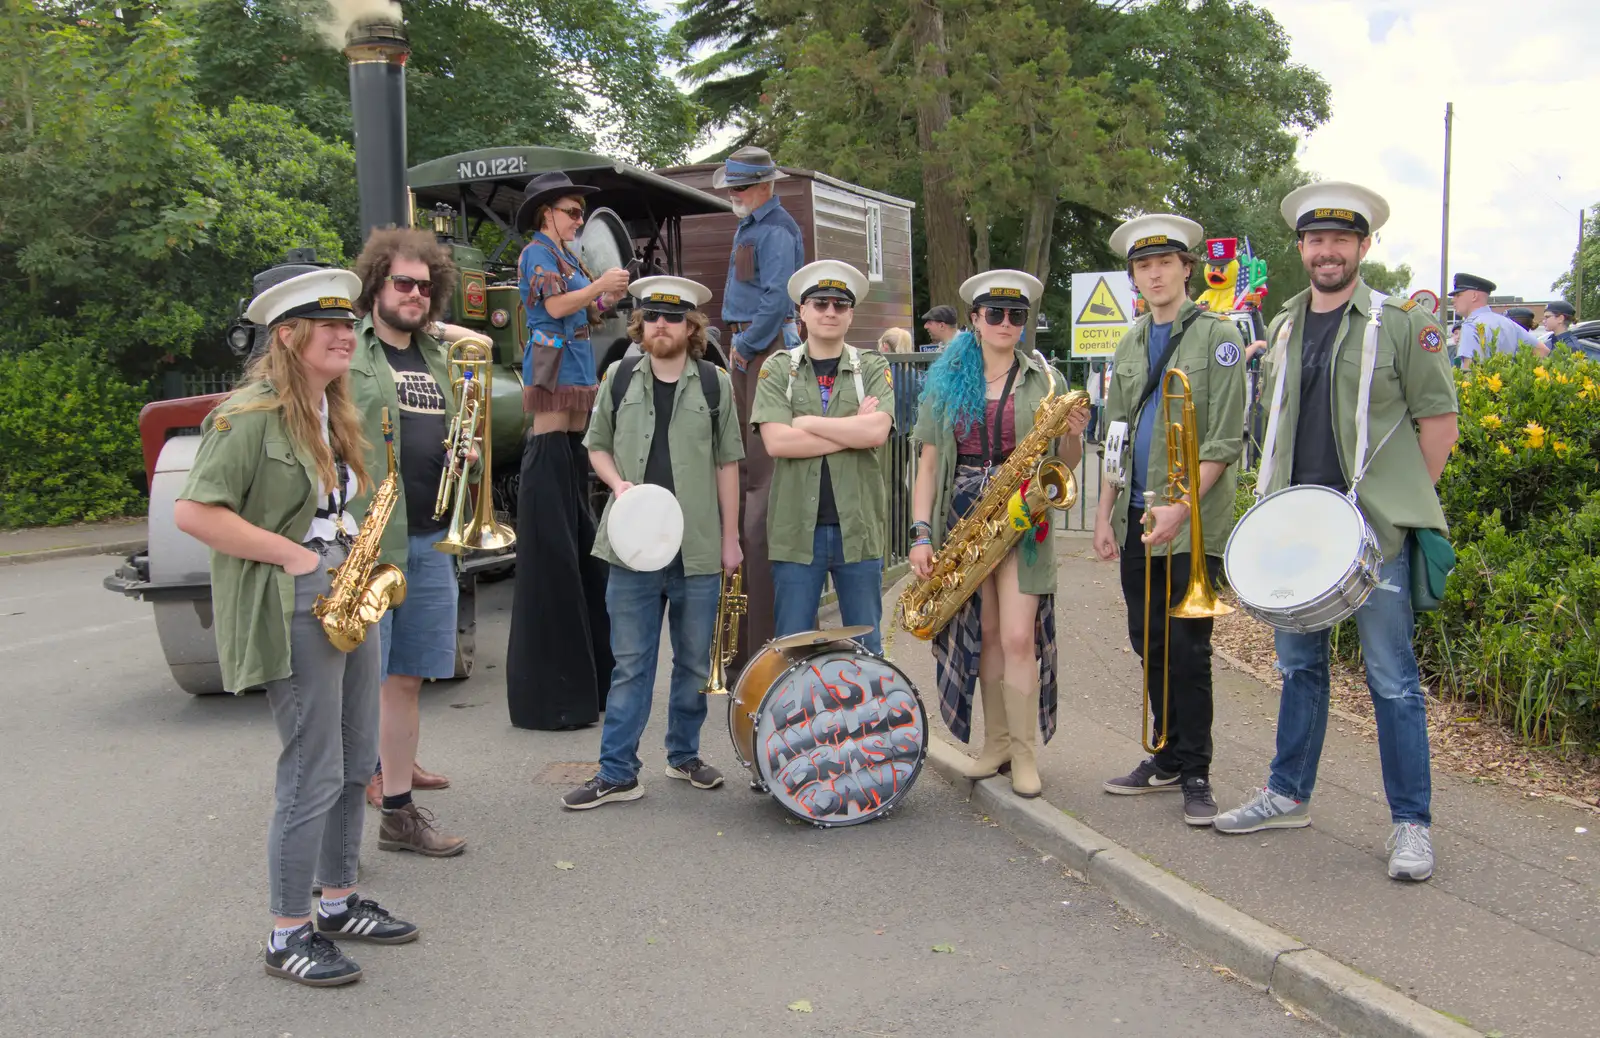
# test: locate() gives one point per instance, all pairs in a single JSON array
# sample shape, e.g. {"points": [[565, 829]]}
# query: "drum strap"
{"points": [[794, 368], [1269, 447]]}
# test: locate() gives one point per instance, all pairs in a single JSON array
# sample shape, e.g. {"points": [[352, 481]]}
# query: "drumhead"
{"points": [[645, 527], [1293, 546], [840, 737]]}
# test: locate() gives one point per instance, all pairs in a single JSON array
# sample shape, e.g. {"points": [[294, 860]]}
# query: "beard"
{"points": [[740, 209], [1331, 280], [665, 346], [400, 321]]}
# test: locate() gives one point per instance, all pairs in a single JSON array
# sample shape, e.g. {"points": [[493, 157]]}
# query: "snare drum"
{"points": [[1302, 559], [834, 734]]}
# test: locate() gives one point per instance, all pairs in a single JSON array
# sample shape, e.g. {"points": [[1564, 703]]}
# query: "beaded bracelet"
{"points": [[921, 541]]}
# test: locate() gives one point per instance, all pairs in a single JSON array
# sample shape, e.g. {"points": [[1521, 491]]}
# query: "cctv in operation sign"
{"points": [[1102, 309]]}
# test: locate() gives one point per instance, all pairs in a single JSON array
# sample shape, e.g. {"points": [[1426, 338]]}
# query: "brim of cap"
{"points": [[666, 308], [719, 179], [1004, 303], [317, 315], [1331, 225], [1157, 250], [827, 293]]}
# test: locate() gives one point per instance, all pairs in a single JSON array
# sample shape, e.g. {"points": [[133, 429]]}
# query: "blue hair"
{"points": [[954, 391]]}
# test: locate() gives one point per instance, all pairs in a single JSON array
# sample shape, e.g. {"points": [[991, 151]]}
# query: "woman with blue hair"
{"points": [[979, 401]]}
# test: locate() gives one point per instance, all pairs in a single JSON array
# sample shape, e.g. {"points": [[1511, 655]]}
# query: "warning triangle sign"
{"points": [[1102, 307]]}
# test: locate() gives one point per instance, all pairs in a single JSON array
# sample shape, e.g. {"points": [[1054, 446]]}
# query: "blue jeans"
{"points": [[1385, 625], [418, 637], [797, 589], [635, 604]]}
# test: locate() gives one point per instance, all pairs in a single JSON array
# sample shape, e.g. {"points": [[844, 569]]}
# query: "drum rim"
{"points": [[916, 770], [1367, 536]]}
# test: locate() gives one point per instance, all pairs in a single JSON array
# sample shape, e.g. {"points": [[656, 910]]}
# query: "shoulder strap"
{"points": [[1159, 369], [621, 375], [711, 388], [855, 369]]}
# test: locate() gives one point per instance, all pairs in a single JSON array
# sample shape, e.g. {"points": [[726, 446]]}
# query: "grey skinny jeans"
{"points": [[327, 717]]}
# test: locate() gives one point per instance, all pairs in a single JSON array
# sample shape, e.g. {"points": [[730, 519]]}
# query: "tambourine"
{"points": [[645, 527]]}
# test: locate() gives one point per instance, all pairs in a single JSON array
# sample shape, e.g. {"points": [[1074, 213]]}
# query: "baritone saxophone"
{"points": [[363, 589], [1028, 484]]}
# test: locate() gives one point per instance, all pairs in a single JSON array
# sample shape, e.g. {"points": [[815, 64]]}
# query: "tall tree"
{"points": [[1588, 256], [729, 79]]}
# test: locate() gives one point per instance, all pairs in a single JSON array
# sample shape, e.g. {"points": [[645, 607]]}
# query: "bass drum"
{"points": [[605, 243], [839, 736]]}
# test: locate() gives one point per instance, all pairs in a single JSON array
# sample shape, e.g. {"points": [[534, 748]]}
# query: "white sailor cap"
{"points": [[1335, 205], [1155, 234], [673, 295], [828, 279], [322, 294], [1011, 289]]}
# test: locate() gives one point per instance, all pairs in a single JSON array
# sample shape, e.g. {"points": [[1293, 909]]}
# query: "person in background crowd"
{"points": [[1482, 330], [1454, 344], [940, 324], [898, 340], [281, 465], [1559, 317], [406, 280], [1095, 385], [767, 249], [1521, 315]]}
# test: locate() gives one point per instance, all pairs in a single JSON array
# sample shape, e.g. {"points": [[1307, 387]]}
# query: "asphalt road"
{"points": [[135, 819]]}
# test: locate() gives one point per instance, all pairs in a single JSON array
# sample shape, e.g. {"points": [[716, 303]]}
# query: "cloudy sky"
{"points": [[1524, 94]]}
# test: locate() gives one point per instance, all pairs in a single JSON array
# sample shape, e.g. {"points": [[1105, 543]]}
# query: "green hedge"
{"points": [[69, 439]]}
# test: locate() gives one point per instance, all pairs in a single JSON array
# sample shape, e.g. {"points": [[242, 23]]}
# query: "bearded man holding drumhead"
{"points": [[1313, 440], [663, 422]]}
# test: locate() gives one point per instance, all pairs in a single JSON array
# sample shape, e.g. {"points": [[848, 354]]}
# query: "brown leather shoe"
{"points": [[411, 828], [375, 791], [423, 779]]}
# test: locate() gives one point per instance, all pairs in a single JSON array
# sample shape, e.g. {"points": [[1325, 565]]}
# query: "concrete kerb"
{"points": [[1339, 996], [17, 558]]}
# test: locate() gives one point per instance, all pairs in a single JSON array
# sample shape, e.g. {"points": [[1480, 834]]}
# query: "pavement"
{"points": [[1505, 935], [136, 815], [115, 537]]}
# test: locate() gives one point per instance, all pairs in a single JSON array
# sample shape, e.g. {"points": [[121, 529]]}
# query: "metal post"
{"points": [[1444, 235], [377, 53], [1577, 274]]}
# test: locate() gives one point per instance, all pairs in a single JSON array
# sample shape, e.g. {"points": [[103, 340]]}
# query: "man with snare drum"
{"points": [[1320, 357]]}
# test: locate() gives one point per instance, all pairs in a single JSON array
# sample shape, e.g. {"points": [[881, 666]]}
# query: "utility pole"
{"points": [[1444, 236], [1577, 273]]}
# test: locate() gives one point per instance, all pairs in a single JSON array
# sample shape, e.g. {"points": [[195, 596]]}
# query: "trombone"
{"points": [[725, 639], [1200, 599], [471, 363]]}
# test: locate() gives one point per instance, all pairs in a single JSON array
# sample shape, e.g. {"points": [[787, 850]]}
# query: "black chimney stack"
{"points": [[377, 51]]}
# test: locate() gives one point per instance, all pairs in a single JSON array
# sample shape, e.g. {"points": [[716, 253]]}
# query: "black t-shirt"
{"points": [[827, 510], [1316, 454], [421, 434], [658, 465]]}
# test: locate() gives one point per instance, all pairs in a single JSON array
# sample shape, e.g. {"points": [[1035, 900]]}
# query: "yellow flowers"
{"points": [[1535, 434], [1563, 378], [1493, 383], [1559, 446], [1541, 374], [1490, 421], [1588, 391], [1504, 449]]}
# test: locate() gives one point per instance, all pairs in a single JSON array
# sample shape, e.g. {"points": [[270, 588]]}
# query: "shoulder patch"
{"points": [[1431, 338], [1228, 354], [1409, 304], [766, 372], [222, 424]]}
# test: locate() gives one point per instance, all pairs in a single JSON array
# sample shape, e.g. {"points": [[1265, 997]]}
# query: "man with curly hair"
{"points": [[406, 277]]}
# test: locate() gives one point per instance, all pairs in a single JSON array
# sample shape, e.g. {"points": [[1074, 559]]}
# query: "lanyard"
{"points": [[992, 458]]}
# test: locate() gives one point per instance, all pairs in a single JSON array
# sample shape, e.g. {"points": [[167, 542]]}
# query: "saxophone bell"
{"points": [[362, 589]]}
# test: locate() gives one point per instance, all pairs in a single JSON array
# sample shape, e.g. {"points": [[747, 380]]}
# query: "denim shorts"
{"points": [[419, 638]]}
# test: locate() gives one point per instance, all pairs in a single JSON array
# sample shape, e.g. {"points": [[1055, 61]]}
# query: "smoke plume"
{"points": [[344, 13]]}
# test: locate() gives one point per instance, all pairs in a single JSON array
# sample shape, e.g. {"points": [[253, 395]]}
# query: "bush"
{"points": [[69, 439]]}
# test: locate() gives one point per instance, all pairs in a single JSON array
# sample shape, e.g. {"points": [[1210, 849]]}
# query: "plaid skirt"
{"points": [[957, 647]]}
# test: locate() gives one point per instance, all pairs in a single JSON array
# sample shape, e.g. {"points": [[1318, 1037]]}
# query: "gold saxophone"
{"points": [[362, 590], [973, 549]]}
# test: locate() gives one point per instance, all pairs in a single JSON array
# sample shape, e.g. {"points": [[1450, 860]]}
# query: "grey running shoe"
{"points": [[1410, 852], [598, 791], [1266, 810], [699, 774], [1146, 778], [1199, 806]]}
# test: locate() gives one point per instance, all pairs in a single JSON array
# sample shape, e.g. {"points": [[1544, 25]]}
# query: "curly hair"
{"points": [[386, 243], [954, 391], [697, 331]]}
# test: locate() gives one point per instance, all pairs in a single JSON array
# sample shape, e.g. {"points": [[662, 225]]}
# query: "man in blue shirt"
{"points": [[767, 250], [1484, 332]]}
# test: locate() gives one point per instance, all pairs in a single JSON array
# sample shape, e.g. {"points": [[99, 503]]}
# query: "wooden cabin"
{"points": [[867, 229]]}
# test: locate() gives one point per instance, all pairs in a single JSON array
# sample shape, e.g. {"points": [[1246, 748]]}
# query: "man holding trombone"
{"points": [[1155, 511]]}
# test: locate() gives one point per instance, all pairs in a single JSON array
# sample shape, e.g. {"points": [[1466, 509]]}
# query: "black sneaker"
{"points": [[1199, 808], [598, 791], [310, 958], [699, 774], [365, 920], [1146, 778]]}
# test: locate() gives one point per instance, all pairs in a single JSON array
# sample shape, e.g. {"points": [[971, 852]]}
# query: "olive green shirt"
{"points": [[1211, 356], [372, 387], [860, 487], [248, 463], [697, 452], [1413, 379], [1033, 382]]}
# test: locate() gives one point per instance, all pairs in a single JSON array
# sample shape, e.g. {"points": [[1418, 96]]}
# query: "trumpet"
{"points": [[471, 361], [725, 639], [1199, 599]]}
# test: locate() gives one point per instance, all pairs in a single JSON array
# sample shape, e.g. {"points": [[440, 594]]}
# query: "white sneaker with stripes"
{"points": [[307, 957], [365, 920]]}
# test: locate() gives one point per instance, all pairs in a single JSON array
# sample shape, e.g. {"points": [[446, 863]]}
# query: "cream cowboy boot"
{"points": [[996, 735], [1022, 716]]}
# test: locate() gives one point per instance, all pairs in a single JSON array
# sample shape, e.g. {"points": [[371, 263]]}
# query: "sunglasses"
{"points": [[994, 316], [574, 212], [838, 306], [404, 285], [663, 315]]}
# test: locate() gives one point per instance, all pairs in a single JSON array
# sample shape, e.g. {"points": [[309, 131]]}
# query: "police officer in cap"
{"points": [[1207, 347], [1313, 377], [1559, 318], [1484, 332]]}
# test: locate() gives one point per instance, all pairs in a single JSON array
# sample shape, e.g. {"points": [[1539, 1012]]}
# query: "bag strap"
{"points": [[1159, 370], [855, 370], [1280, 349], [622, 375]]}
